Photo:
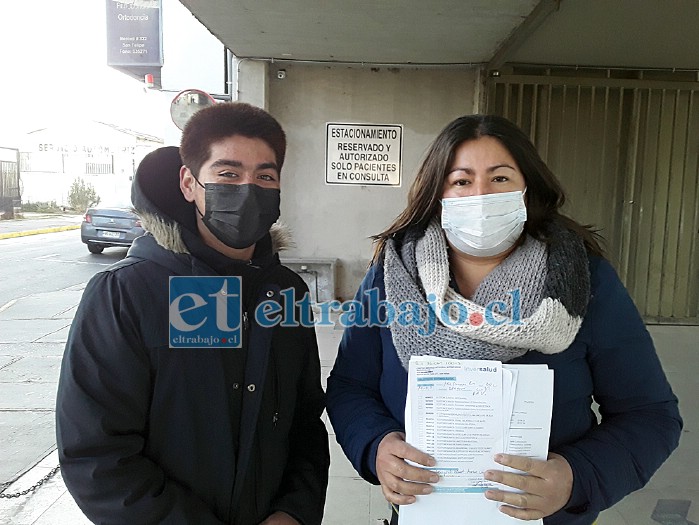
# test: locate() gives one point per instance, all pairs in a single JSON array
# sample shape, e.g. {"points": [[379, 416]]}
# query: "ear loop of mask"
{"points": [[195, 203]]}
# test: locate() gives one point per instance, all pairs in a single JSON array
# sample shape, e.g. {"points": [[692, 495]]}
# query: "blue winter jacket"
{"points": [[612, 360]]}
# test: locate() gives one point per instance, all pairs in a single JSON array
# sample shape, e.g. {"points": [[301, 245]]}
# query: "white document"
{"points": [[456, 416], [463, 412], [530, 424]]}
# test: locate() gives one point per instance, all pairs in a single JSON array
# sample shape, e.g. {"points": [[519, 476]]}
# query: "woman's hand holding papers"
{"points": [[400, 481], [547, 485]]}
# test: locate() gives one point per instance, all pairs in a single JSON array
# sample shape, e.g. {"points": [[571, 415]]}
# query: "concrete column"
{"points": [[252, 82]]}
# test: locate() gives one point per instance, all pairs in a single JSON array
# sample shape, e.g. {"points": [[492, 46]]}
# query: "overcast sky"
{"points": [[53, 68]]}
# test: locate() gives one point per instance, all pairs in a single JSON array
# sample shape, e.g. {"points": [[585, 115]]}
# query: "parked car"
{"points": [[108, 225]]}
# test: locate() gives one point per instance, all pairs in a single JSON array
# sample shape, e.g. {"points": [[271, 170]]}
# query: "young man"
{"points": [[225, 433]]}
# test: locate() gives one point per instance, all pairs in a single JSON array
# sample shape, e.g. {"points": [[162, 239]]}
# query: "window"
{"points": [[98, 168]]}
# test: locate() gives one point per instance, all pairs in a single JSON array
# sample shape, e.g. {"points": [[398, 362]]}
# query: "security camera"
{"points": [[281, 74]]}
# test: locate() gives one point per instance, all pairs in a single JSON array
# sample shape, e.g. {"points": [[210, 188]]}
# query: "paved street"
{"points": [[47, 263], [38, 223]]}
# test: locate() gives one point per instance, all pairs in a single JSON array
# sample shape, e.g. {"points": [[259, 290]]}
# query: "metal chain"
{"points": [[33, 487]]}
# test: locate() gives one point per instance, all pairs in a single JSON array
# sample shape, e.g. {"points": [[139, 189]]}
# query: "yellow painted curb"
{"points": [[37, 232]]}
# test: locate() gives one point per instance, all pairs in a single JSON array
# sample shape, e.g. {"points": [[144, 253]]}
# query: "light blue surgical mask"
{"points": [[484, 225]]}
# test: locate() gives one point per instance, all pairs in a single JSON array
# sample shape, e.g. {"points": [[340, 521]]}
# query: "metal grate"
{"points": [[627, 153]]}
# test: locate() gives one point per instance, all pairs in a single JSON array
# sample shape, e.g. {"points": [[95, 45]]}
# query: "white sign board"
{"points": [[364, 154]]}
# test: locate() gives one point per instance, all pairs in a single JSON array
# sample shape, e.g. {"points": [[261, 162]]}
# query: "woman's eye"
{"points": [[461, 182], [500, 178]]}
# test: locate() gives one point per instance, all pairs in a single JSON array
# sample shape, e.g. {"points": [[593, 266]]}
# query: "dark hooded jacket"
{"points": [[150, 434]]}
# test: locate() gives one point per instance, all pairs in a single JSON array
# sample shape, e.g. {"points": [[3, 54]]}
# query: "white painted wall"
{"points": [[59, 154], [336, 221]]}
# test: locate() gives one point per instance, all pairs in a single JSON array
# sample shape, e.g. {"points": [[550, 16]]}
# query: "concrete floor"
{"points": [[352, 501]]}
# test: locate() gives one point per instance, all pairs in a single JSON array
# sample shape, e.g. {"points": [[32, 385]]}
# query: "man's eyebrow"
{"points": [[268, 165], [237, 164], [227, 162]]}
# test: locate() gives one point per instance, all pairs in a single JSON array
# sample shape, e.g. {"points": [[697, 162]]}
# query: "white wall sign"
{"points": [[365, 154]]}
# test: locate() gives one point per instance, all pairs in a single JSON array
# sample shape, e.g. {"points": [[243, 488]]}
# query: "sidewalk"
{"points": [[36, 223]]}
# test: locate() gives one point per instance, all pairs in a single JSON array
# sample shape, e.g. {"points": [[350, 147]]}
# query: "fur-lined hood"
{"points": [[169, 234], [164, 211]]}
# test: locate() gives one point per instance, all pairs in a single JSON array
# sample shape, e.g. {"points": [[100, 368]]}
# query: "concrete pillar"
{"points": [[252, 82]]}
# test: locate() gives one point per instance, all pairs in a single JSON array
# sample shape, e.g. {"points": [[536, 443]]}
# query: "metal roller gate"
{"points": [[625, 145]]}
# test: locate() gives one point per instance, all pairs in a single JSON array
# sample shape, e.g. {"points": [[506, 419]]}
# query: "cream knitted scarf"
{"points": [[534, 300]]}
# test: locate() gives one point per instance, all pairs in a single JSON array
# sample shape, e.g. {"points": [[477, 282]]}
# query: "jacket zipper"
{"points": [[275, 384], [275, 417]]}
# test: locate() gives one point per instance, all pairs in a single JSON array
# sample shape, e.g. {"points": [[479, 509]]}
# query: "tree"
{"points": [[82, 195]]}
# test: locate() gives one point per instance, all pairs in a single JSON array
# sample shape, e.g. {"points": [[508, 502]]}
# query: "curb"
{"points": [[37, 232], [27, 470]]}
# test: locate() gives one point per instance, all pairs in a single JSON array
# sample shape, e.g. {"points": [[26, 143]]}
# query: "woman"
{"points": [[483, 219]]}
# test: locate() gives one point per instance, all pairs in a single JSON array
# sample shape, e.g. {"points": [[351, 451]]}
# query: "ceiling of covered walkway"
{"points": [[603, 33]]}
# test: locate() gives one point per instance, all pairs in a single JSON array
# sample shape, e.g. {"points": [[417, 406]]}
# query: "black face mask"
{"points": [[239, 215]]}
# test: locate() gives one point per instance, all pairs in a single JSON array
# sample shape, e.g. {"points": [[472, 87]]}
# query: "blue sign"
{"points": [[205, 312]]}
